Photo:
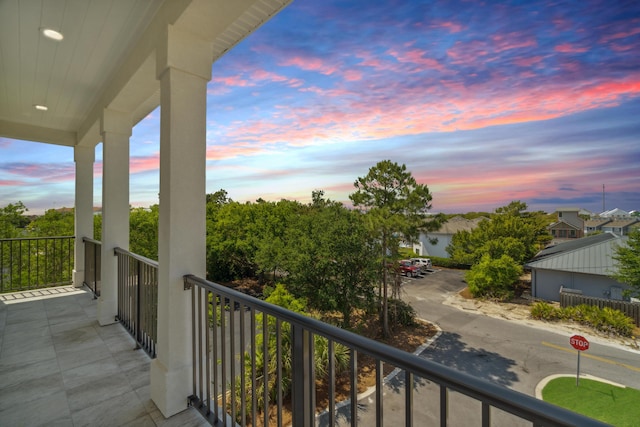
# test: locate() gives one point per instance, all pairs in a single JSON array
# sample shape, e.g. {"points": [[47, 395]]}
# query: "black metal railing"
{"points": [[233, 361], [138, 298], [35, 262], [92, 253]]}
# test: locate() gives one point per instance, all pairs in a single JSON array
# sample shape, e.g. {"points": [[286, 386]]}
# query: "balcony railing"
{"points": [[34, 263], [92, 254], [232, 362], [138, 298], [241, 343]]}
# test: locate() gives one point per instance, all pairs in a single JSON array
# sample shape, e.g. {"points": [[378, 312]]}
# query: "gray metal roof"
{"points": [[590, 255]]}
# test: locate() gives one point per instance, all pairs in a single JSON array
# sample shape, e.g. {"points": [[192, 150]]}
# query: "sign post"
{"points": [[581, 344]]}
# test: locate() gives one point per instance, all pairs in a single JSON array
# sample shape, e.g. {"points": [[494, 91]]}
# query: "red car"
{"points": [[408, 268]]}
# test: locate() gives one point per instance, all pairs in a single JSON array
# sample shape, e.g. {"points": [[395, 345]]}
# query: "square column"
{"points": [[115, 130], [84, 157], [184, 68]]}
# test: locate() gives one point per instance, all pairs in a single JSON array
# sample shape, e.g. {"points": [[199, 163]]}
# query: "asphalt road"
{"points": [[503, 352]]}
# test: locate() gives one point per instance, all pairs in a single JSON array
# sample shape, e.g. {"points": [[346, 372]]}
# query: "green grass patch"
{"points": [[605, 402]]}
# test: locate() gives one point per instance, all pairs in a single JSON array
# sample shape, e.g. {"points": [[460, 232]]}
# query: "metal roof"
{"points": [[590, 255]]}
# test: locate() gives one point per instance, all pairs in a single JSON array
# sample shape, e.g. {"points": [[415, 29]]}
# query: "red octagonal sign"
{"points": [[579, 342]]}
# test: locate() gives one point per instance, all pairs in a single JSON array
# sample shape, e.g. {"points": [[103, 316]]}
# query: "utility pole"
{"points": [[603, 209]]}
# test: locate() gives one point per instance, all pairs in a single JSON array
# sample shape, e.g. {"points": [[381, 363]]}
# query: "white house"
{"points": [[434, 243], [77, 74]]}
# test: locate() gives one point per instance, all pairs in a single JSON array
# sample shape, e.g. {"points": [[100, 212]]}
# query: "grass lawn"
{"points": [[595, 399]]}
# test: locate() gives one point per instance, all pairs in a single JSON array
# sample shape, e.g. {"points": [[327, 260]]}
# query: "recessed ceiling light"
{"points": [[40, 107], [52, 34]]}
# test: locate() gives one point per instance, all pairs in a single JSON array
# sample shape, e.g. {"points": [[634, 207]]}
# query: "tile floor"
{"points": [[59, 367]]}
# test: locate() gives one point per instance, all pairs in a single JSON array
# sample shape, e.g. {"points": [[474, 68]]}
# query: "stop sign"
{"points": [[579, 342]]}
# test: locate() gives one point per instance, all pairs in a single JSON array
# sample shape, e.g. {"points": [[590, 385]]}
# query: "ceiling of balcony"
{"points": [[105, 60]]}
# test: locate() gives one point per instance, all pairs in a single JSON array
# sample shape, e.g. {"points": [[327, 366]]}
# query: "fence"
{"points": [[631, 309], [92, 253], [33, 263], [138, 298], [254, 361]]}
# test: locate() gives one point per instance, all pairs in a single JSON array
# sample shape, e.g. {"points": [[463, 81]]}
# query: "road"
{"points": [[507, 353]]}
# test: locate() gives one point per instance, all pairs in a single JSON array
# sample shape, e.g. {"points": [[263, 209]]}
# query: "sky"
{"points": [[485, 102]]}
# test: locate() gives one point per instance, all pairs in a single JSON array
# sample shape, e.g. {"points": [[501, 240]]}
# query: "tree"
{"points": [[54, 222], [628, 258], [331, 258], [12, 220], [493, 277], [510, 231], [395, 206], [143, 231]]}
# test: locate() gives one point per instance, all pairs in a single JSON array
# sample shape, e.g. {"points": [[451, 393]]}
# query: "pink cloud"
{"points": [[352, 75], [232, 81], [416, 56], [452, 27], [622, 34], [528, 62], [309, 64], [502, 42], [140, 164], [10, 183], [569, 48]]}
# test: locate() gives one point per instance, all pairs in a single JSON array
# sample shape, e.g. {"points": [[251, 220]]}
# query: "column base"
{"points": [[170, 389], [77, 278], [107, 311]]}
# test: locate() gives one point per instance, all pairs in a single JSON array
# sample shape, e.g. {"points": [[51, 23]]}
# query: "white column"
{"points": [[84, 157], [115, 128], [184, 68]]}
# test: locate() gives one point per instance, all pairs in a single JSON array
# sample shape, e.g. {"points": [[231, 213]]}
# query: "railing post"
{"points": [[302, 406], [138, 304]]}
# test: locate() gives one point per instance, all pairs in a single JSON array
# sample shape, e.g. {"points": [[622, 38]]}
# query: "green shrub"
{"points": [[544, 311], [448, 263], [601, 319], [493, 278], [401, 313]]}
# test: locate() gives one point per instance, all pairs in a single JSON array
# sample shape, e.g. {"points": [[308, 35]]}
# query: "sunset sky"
{"points": [[486, 102]]}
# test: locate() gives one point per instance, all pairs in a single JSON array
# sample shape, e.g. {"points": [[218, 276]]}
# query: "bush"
{"points": [[401, 313], [601, 319], [448, 263], [493, 278], [544, 311]]}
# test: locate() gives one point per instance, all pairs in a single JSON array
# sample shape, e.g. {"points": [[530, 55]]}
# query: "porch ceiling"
{"points": [[106, 59]]}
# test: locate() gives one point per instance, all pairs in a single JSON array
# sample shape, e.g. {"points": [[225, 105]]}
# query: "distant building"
{"points": [[620, 227], [582, 265], [434, 243], [569, 225], [595, 224], [615, 213]]}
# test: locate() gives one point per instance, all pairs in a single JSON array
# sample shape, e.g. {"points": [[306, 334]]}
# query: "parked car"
{"points": [[408, 268], [424, 263]]}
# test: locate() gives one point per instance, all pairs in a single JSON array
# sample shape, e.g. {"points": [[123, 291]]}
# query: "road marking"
{"points": [[590, 356]]}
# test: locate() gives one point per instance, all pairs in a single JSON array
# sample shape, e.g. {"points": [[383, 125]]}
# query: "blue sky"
{"points": [[485, 102]]}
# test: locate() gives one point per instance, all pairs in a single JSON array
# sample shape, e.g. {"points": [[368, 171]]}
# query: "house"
{"points": [[593, 225], [434, 243], [81, 74], [620, 227], [615, 213], [581, 264], [569, 225]]}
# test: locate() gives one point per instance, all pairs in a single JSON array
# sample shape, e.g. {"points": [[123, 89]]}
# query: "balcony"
{"points": [[58, 365]]}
